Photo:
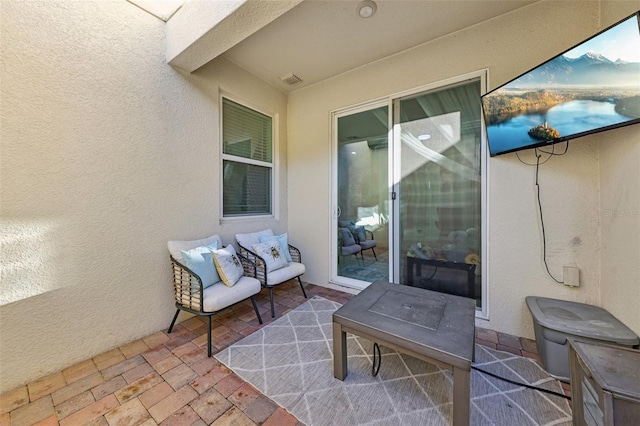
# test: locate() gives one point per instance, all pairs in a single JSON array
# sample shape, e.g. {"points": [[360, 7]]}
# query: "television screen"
{"points": [[592, 87]]}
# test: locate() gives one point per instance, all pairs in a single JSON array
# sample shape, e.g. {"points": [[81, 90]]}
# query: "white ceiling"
{"points": [[319, 39]]}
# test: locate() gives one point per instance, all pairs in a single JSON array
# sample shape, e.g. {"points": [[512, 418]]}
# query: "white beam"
{"points": [[204, 29]]}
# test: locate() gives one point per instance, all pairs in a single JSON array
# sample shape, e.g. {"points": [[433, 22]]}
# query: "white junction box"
{"points": [[571, 276]]}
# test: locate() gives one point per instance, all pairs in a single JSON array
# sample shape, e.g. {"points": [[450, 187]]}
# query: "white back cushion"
{"points": [[176, 246], [253, 238]]}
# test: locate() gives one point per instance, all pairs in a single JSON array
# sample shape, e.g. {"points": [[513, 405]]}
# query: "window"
{"points": [[247, 161]]}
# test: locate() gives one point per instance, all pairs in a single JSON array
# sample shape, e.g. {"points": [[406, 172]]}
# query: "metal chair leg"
{"points": [[302, 287], [175, 317], [209, 337], [255, 308], [374, 254], [273, 311]]}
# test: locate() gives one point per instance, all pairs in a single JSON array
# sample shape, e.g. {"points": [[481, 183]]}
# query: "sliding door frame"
{"points": [[394, 175]]}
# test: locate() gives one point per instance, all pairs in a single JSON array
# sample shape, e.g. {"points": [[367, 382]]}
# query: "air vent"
{"points": [[291, 79]]}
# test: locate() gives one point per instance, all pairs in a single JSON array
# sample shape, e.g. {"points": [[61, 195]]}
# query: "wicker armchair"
{"points": [[192, 296], [267, 279]]}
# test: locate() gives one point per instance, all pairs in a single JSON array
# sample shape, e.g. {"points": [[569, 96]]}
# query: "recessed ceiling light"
{"points": [[424, 137], [353, 153], [366, 8]]}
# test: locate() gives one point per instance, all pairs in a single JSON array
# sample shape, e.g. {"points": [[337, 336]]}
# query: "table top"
{"points": [[617, 368], [421, 320]]}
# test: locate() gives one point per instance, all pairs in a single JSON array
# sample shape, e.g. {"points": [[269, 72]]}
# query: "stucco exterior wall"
{"points": [[620, 206], [107, 153], [507, 46]]}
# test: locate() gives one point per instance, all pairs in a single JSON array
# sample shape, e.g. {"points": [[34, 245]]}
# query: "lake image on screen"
{"points": [[590, 87], [568, 118]]}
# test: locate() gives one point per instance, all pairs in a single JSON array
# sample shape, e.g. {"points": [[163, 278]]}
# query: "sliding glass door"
{"points": [[362, 213], [439, 189], [409, 176]]}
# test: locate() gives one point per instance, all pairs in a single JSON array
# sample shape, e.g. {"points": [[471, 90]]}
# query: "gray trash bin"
{"points": [[556, 320]]}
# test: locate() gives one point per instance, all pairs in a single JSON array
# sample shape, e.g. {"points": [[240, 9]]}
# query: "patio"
{"points": [[168, 379]]}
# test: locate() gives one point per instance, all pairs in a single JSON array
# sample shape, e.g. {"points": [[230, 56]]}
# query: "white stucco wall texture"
{"points": [[570, 185], [107, 153]]}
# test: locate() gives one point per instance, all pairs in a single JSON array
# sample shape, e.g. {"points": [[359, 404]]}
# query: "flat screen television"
{"points": [[592, 87]]}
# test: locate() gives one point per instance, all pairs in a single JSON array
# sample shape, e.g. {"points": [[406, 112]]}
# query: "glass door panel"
{"points": [[440, 190], [362, 252]]}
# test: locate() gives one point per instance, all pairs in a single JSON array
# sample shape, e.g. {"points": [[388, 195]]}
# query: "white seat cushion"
{"points": [[176, 246], [247, 240], [294, 269], [219, 296]]}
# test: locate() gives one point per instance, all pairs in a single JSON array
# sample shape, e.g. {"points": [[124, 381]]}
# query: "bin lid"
{"points": [[580, 319]]}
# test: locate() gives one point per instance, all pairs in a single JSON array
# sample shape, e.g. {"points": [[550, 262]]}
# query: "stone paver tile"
{"points": [[249, 330], [77, 388], [13, 399], [134, 348], [532, 355], [201, 341], [5, 419], [110, 386], [137, 372], [281, 417], [182, 417], [190, 353], [137, 387], [192, 323], [509, 349], [49, 421], [74, 404], [260, 409], [205, 365], [152, 396], [156, 355], [122, 366], [528, 345], [156, 339], [202, 384], [79, 371], [486, 334], [233, 417], [509, 340], [210, 405], [219, 331], [33, 412], [244, 396], [98, 421], [229, 384], [167, 364], [179, 376], [486, 343], [46, 385], [179, 337], [91, 412], [172, 403], [108, 359], [130, 413]]}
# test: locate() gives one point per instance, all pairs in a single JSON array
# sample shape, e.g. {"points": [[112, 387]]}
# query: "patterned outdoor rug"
{"points": [[290, 361]]}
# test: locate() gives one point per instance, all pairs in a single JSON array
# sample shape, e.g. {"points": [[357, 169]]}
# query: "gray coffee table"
{"points": [[435, 327]]}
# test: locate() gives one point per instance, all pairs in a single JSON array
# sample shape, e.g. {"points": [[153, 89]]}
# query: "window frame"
{"points": [[274, 165]]}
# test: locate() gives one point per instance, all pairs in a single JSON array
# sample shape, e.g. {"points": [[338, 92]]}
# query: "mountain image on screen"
{"points": [[588, 69]]}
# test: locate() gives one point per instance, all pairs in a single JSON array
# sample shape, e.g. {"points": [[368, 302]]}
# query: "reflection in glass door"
{"points": [[440, 189], [362, 228]]}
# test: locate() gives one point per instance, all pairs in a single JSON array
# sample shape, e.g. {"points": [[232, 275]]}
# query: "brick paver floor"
{"points": [[167, 379]]}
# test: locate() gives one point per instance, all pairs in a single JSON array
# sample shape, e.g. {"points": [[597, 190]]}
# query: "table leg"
{"points": [[339, 352], [461, 396]]}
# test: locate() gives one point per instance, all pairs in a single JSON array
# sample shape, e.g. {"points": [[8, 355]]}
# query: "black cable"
{"points": [[544, 238], [521, 384], [374, 369]]}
